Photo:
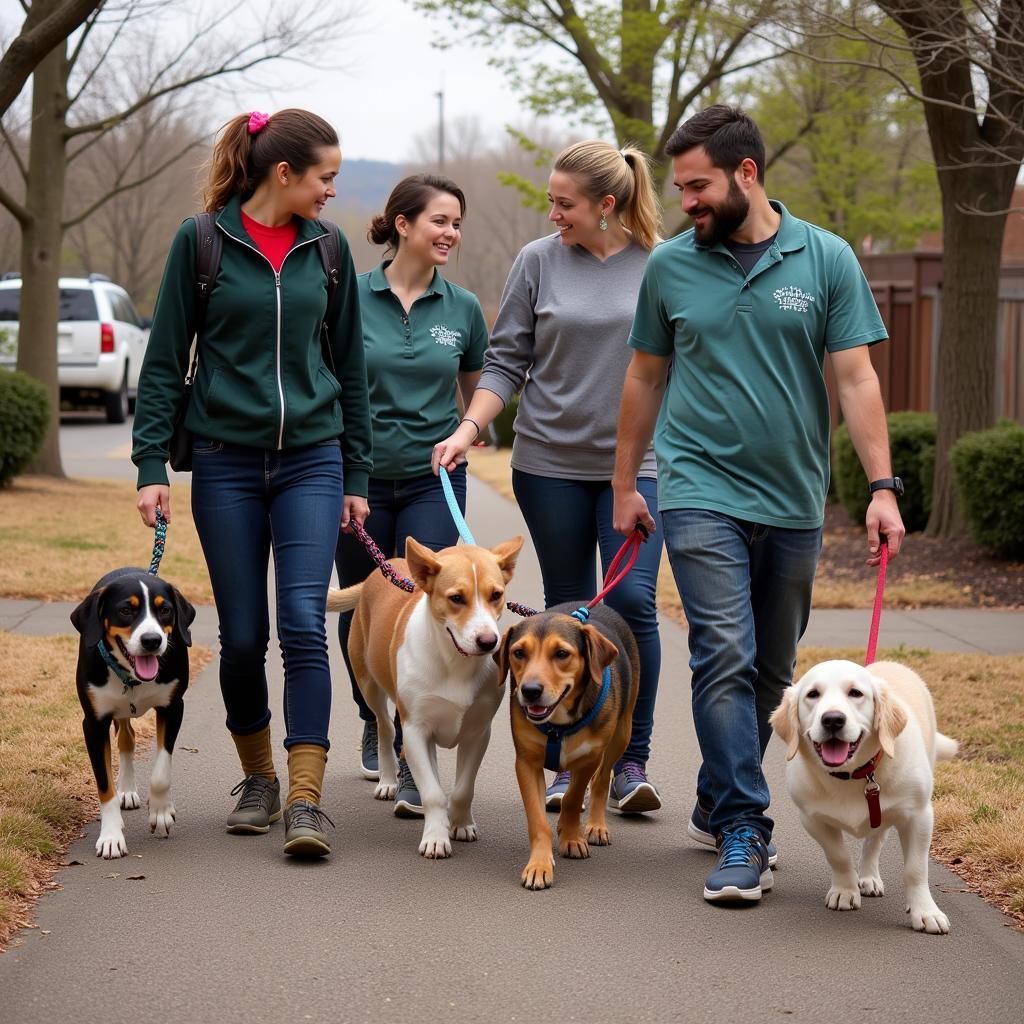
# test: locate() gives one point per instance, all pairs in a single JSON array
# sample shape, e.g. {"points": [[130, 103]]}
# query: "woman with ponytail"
{"points": [[281, 453], [424, 340], [560, 338]]}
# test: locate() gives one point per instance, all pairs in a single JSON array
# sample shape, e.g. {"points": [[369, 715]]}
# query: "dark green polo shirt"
{"points": [[412, 362], [744, 425]]}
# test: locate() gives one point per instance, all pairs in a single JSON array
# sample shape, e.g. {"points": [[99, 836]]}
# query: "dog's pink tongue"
{"points": [[146, 667], [835, 752], [537, 709]]}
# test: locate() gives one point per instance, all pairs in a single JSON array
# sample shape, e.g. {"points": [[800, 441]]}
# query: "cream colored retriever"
{"points": [[837, 720]]}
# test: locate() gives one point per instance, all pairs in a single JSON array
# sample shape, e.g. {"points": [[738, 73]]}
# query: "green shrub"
{"points": [[503, 424], [24, 417], [988, 468], [912, 443]]}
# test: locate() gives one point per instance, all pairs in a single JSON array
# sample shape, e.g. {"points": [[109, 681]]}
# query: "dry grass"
{"points": [[47, 791], [60, 536], [979, 797]]}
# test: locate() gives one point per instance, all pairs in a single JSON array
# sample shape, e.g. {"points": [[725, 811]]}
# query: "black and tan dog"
{"points": [[131, 657], [573, 689]]}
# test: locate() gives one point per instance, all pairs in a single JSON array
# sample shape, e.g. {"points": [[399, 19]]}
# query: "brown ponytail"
{"points": [[240, 161]]}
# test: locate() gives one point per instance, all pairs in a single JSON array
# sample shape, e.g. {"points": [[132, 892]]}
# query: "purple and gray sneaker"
{"points": [[631, 791]]}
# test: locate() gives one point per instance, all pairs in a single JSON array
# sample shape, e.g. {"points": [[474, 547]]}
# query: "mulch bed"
{"points": [[984, 581]]}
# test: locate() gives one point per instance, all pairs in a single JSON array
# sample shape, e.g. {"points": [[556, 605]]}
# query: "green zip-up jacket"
{"points": [[261, 379]]}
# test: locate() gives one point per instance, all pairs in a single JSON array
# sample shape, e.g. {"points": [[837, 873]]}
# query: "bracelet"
{"points": [[469, 419]]}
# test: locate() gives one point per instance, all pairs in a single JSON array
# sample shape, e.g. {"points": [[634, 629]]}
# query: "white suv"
{"points": [[100, 341]]}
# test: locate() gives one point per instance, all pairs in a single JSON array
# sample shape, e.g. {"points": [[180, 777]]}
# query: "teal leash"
{"points": [[159, 541], [453, 507]]}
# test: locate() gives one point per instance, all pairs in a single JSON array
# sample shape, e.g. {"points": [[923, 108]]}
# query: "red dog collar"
{"points": [[871, 788]]}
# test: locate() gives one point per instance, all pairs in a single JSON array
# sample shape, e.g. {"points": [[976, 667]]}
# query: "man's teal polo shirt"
{"points": [[744, 426], [412, 362]]}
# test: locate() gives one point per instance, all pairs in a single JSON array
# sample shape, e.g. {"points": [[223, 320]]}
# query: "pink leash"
{"points": [[876, 612]]}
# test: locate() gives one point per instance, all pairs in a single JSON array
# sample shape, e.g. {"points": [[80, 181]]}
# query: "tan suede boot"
{"points": [[303, 819], [259, 793]]}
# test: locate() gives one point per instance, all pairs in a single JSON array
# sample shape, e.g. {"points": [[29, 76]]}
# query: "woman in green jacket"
{"points": [[281, 453]]}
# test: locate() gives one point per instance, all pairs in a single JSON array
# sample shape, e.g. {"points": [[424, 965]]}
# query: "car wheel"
{"points": [[116, 402]]}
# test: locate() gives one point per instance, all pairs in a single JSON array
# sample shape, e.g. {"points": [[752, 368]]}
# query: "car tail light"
{"points": [[106, 337]]}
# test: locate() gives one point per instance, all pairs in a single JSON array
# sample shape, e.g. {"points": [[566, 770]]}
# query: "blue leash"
{"points": [[453, 507], [159, 541]]}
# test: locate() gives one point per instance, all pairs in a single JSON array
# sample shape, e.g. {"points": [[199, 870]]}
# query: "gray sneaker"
{"points": [[554, 793], [304, 834], [407, 798], [631, 791], [259, 804], [368, 758]]}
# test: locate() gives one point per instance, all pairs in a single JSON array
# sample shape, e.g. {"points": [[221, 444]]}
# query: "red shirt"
{"points": [[274, 243]]}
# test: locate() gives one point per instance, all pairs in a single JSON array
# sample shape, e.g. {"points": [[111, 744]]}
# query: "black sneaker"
{"points": [[304, 834], [407, 797], [742, 871], [368, 759], [259, 804]]}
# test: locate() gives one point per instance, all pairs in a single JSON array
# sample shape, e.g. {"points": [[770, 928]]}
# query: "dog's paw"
{"points": [[538, 874], [842, 899], [464, 833], [872, 885], [161, 818], [573, 847], [598, 835], [927, 917], [435, 846], [130, 800], [111, 845], [385, 791]]}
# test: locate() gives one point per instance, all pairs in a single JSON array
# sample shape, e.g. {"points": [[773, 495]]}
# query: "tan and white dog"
{"points": [[838, 720], [429, 652]]}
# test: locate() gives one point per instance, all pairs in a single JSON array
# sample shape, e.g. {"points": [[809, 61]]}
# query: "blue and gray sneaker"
{"points": [[555, 792], [742, 872], [368, 758], [631, 791], [697, 829], [407, 799]]}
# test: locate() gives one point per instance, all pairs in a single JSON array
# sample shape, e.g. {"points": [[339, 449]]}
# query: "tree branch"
{"points": [[14, 208]]}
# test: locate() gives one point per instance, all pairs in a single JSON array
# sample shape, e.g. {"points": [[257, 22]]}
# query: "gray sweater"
{"points": [[561, 331]]}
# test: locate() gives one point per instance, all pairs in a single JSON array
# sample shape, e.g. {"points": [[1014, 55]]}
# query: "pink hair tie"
{"points": [[257, 122]]}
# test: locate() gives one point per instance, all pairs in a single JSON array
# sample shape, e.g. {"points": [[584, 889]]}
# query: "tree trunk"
{"points": [[966, 362], [41, 241]]}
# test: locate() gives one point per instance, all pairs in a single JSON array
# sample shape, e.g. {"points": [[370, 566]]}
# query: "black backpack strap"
{"points": [[329, 248], [209, 244]]}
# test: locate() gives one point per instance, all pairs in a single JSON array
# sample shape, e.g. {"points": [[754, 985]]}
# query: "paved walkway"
{"points": [[223, 928]]}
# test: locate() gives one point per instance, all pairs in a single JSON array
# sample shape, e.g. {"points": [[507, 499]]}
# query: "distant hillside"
{"points": [[364, 185]]}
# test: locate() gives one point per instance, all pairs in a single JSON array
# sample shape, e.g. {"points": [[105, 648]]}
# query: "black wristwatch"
{"points": [[889, 483]]}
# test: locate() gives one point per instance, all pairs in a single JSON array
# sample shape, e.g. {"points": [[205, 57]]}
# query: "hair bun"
{"points": [[379, 231]]}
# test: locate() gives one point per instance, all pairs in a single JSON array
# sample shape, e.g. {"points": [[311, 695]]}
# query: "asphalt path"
{"points": [[225, 928]]}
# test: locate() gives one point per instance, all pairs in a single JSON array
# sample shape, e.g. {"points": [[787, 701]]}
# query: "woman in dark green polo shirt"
{"points": [[423, 336]]}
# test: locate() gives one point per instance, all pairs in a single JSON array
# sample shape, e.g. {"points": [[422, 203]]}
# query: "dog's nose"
{"points": [[150, 641], [531, 692], [833, 721], [487, 641]]}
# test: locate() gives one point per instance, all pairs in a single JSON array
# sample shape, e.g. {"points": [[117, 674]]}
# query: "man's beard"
{"points": [[723, 219]]}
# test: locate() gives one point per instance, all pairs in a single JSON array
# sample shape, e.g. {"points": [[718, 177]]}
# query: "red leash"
{"points": [[876, 612], [611, 581]]}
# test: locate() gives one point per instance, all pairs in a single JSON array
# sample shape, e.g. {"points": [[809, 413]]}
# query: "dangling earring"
{"points": [[602, 223]]}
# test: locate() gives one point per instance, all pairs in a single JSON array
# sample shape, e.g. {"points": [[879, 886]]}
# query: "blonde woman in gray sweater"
{"points": [[560, 339]]}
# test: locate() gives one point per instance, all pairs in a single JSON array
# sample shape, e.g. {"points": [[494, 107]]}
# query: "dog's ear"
{"points": [[423, 564], [890, 717], [506, 553], [500, 656], [600, 651], [785, 720], [86, 618], [184, 615]]}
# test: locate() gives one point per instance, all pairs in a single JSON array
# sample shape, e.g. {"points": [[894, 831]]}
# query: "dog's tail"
{"points": [[945, 748], [343, 600]]}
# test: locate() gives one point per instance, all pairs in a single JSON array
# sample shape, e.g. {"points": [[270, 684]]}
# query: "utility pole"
{"points": [[440, 129]]}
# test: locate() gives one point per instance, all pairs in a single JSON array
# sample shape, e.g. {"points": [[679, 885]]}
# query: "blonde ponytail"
{"points": [[642, 215]]}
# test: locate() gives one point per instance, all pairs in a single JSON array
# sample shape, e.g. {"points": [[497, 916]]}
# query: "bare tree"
{"points": [[47, 24], [89, 75], [969, 58]]}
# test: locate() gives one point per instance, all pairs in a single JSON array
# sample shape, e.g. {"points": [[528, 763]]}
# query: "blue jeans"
{"points": [[570, 519], [746, 591], [398, 509], [247, 502]]}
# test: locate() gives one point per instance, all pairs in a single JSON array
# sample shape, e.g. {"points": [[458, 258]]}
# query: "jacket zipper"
{"points": [[277, 289]]}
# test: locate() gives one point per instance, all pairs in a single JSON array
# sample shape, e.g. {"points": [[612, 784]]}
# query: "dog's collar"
{"points": [[871, 787], [556, 733], [116, 667]]}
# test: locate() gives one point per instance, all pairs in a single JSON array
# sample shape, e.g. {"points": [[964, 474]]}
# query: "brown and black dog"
{"points": [[558, 667]]}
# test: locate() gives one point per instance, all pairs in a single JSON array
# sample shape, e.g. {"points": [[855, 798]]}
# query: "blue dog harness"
{"points": [[556, 733]]}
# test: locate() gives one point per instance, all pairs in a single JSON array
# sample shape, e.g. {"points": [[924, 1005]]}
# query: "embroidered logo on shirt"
{"points": [[445, 335], [793, 298]]}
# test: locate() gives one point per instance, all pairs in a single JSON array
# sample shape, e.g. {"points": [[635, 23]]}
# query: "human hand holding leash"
{"points": [[630, 511], [355, 507], [883, 521], [151, 497], [451, 452]]}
